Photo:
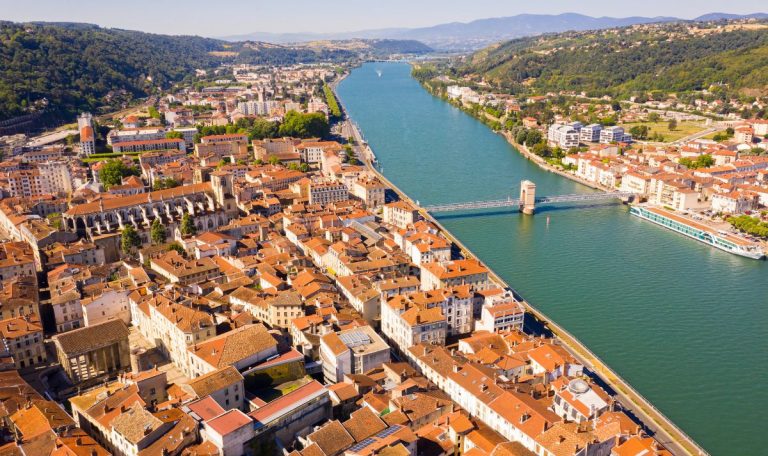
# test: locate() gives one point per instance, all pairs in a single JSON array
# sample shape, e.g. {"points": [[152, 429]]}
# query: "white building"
{"points": [[87, 136], [135, 134], [352, 351], [324, 192], [369, 191], [454, 273], [734, 202], [590, 133], [400, 214], [109, 304], [565, 136], [614, 134], [172, 327], [578, 401], [506, 315], [406, 323], [55, 177], [230, 432]]}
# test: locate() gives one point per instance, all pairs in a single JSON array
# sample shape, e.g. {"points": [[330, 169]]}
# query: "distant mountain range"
{"points": [[479, 33]]}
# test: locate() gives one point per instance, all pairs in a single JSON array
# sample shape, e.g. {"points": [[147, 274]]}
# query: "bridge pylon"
{"points": [[527, 197]]}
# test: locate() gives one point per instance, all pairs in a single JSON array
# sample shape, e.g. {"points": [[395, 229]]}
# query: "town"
{"points": [[697, 161], [212, 274]]}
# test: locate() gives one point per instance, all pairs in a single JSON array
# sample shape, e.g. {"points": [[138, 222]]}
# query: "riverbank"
{"points": [[665, 431], [523, 150]]}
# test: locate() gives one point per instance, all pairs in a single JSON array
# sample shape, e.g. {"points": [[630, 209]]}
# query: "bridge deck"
{"points": [[491, 204]]}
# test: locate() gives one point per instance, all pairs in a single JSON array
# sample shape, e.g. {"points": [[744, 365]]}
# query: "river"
{"points": [[684, 323]]}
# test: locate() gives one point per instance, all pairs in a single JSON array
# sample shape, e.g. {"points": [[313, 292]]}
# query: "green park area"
{"points": [[660, 131]]}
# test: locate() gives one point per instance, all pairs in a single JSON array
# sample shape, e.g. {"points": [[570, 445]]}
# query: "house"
{"points": [[406, 322], [502, 316], [242, 348], [579, 401], [399, 214], [352, 351], [230, 432], [735, 202], [454, 273], [107, 303], [23, 340], [554, 362], [178, 269], [224, 385]]}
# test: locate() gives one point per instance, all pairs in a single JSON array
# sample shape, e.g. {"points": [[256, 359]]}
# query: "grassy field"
{"points": [[713, 134], [108, 156], [683, 129]]}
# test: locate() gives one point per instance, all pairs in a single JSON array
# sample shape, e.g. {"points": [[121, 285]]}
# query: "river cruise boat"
{"points": [[702, 233]]}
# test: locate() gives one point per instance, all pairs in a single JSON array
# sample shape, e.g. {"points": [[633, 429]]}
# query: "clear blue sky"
{"points": [[230, 17]]}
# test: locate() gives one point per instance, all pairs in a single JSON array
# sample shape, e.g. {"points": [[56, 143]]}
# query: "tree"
{"points": [[654, 117], [273, 160], [533, 137], [154, 113], [113, 172], [312, 125], [521, 135], [541, 149], [639, 131], [263, 129], [330, 99], [174, 135], [176, 247], [55, 221], [157, 232], [161, 184], [672, 124], [188, 227], [702, 161], [129, 239]]}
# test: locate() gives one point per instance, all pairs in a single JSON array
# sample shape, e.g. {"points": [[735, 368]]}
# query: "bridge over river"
{"points": [[528, 200]]}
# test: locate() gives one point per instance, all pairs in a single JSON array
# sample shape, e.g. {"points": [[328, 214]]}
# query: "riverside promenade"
{"points": [[663, 429]]}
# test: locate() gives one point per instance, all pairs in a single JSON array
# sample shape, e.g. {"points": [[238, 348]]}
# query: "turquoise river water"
{"points": [[684, 323]]}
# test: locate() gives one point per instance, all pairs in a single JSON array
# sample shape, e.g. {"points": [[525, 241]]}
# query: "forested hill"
{"points": [[63, 68], [75, 67], [625, 61]]}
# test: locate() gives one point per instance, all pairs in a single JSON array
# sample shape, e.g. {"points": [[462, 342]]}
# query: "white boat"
{"points": [[716, 238], [378, 72]]}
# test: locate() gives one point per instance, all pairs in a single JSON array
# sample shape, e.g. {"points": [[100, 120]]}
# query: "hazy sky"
{"points": [[230, 17]]}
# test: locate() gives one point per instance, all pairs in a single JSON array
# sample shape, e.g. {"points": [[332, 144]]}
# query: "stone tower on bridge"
{"points": [[527, 197]]}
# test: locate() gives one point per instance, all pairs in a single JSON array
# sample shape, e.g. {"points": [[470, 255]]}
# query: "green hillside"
{"points": [[77, 67], [63, 68], [621, 62]]}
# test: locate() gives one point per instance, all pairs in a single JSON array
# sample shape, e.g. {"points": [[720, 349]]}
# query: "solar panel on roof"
{"points": [[388, 431], [362, 444], [355, 338]]}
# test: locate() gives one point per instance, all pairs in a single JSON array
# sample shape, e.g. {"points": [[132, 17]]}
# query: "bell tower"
{"points": [[222, 184]]}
